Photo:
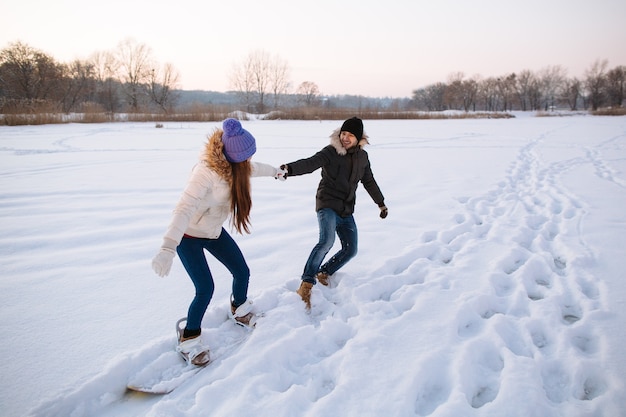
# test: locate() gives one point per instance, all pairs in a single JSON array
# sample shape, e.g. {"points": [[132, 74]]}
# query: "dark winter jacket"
{"points": [[341, 172]]}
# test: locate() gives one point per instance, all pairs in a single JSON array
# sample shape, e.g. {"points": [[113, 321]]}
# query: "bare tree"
{"points": [[595, 83], [571, 92], [308, 91], [506, 90], [615, 81], [470, 93], [431, 97], [488, 93], [551, 81], [106, 67], [28, 73], [453, 96], [77, 84], [163, 83], [242, 82], [257, 75], [279, 79], [261, 65], [135, 65], [527, 87], [460, 92]]}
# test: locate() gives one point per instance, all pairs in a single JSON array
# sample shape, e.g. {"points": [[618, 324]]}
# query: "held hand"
{"points": [[162, 262], [383, 212], [282, 173]]}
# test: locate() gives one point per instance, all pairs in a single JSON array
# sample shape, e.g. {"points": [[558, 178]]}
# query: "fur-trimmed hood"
{"points": [[205, 204], [213, 156], [336, 142]]}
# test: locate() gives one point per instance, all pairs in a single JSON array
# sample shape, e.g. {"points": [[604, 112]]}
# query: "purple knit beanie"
{"points": [[239, 144]]}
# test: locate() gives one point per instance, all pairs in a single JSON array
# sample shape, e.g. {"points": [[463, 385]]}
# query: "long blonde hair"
{"points": [[241, 200]]}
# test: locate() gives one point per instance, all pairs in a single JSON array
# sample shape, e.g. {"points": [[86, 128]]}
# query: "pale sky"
{"points": [[380, 48]]}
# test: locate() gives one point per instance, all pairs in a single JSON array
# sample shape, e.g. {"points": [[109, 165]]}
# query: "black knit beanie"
{"points": [[354, 126]]}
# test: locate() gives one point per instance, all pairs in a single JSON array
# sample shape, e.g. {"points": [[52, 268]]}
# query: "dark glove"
{"points": [[383, 212]]}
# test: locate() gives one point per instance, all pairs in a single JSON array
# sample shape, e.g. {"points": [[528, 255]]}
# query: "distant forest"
{"points": [[129, 81]]}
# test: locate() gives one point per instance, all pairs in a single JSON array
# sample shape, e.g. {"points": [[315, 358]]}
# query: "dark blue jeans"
{"points": [[329, 224], [224, 249]]}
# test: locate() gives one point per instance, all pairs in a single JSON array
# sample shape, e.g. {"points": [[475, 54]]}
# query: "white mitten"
{"points": [[281, 173], [162, 262]]}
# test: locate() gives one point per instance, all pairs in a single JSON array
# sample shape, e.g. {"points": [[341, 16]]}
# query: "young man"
{"points": [[344, 164]]}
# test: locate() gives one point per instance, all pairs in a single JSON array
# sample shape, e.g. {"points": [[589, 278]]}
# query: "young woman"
{"points": [[219, 187]]}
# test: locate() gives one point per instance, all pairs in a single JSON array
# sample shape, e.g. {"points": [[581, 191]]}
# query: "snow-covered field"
{"points": [[495, 287]]}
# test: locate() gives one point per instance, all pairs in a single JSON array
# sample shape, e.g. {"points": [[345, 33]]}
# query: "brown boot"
{"points": [[243, 315], [305, 292], [191, 347], [323, 278], [193, 351]]}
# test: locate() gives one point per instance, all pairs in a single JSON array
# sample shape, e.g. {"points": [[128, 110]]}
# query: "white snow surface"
{"points": [[494, 288]]}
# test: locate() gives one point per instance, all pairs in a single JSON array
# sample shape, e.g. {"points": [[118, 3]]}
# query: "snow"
{"points": [[494, 287]]}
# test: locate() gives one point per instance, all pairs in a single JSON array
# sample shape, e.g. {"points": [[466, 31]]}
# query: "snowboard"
{"points": [[170, 370], [163, 375]]}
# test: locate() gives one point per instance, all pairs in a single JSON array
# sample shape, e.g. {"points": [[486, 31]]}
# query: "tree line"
{"points": [[129, 80], [544, 90]]}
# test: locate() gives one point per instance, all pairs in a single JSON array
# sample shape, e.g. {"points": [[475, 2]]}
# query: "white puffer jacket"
{"points": [[205, 203]]}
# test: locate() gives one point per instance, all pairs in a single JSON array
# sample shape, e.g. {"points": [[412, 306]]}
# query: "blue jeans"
{"points": [[329, 224], [224, 249]]}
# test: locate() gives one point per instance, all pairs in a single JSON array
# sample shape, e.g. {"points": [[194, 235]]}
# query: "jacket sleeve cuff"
{"points": [[169, 244]]}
